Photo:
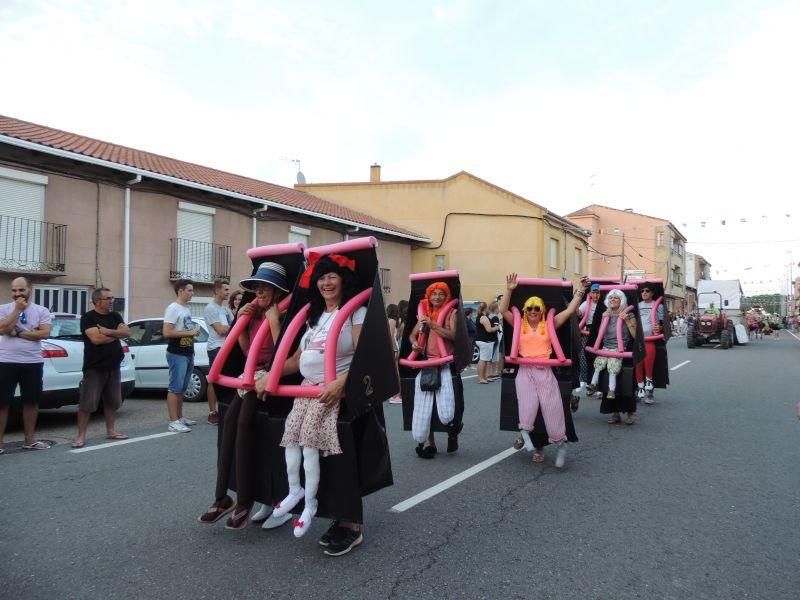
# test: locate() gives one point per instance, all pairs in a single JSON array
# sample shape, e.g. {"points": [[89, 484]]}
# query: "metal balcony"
{"points": [[199, 261], [29, 246]]}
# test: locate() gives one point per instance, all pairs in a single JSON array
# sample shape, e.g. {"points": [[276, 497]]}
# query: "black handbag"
{"points": [[430, 379]]}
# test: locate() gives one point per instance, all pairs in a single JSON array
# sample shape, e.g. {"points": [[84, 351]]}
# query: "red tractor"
{"points": [[711, 327]]}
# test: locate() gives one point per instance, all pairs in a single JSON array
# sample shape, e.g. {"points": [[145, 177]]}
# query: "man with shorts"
{"points": [[23, 326], [179, 331], [102, 331], [219, 318]]}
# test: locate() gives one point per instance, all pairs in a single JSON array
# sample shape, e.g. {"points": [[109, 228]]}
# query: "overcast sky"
{"points": [[684, 110]]}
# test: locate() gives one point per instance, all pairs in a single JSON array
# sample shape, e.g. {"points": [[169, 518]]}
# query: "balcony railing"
{"points": [[33, 246], [199, 261]]}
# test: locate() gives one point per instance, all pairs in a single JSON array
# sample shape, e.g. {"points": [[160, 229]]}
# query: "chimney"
{"points": [[375, 173], [630, 210]]}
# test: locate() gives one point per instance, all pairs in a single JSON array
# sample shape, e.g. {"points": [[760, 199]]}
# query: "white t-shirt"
{"points": [[582, 309], [216, 313], [181, 318], [645, 309], [312, 357]]}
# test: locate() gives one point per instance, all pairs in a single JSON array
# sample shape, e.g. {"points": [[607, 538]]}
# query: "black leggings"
{"points": [[238, 434]]}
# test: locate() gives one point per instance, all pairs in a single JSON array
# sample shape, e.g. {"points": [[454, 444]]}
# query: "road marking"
{"points": [[454, 480], [676, 367], [717, 346], [122, 442], [793, 335], [469, 377]]}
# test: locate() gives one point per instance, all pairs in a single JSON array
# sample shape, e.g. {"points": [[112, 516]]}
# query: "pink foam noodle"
{"points": [[624, 288], [654, 321], [331, 343], [585, 317], [275, 250], [214, 375], [257, 343], [282, 351], [443, 357], [543, 282], [434, 275], [364, 243], [516, 359], [596, 349]]}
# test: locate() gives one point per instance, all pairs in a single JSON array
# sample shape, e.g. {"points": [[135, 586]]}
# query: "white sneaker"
{"points": [[178, 427], [649, 400], [187, 422], [640, 393], [261, 514], [648, 385], [561, 455], [273, 522]]}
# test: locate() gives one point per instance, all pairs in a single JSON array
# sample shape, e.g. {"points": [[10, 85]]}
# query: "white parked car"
{"points": [[63, 364], [149, 353]]}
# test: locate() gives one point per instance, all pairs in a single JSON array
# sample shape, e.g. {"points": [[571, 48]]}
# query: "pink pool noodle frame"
{"points": [[273, 386], [443, 357], [515, 359], [603, 328], [247, 382]]}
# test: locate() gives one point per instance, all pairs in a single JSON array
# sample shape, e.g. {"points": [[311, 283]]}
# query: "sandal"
{"points": [[217, 510], [76, 444], [614, 419], [574, 402], [239, 518], [117, 436], [38, 445], [538, 456], [519, 443], [631, 419]]}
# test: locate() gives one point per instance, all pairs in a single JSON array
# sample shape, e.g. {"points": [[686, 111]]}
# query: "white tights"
{"points": [[310, 460]]}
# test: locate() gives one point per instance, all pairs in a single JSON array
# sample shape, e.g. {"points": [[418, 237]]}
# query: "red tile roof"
{"points": [[192, 173]]}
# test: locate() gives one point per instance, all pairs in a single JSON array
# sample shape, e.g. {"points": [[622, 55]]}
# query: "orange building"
{"points": [[635, 246]]}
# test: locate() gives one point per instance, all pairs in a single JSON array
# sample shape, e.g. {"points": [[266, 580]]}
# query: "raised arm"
{"points": [[505, 301], [572, 307]]}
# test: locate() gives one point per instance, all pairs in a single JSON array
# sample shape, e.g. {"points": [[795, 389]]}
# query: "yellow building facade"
{"points": [[476, 227]]}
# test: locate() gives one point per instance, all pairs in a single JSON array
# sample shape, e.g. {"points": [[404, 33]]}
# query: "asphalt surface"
{"points": [[699, 499]]}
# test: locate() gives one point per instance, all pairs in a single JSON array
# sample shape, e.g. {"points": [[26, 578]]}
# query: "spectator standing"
{"points": [[485, 338], [235, 300], [496, 368], [23, 326], [219, 319], [471, 328], [179, 331], [102, 330]]}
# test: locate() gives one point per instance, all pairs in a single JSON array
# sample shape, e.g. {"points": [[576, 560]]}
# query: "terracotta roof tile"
{"points": [[189, 172]]}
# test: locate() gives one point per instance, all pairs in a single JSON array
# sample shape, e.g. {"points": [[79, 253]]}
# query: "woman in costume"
{"points": [[586, 315], [436, 296], [650, 327], [311, 425], [270, 286], [537, 387]]}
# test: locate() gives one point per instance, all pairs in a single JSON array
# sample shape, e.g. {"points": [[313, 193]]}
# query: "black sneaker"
{"points": [[334, 531], [348, 540]]}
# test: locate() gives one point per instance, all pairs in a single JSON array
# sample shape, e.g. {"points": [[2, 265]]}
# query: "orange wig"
{"points": [[438, 286]]}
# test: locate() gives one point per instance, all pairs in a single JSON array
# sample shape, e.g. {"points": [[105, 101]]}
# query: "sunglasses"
{"points": [[23, 319], [646, 291], [533, 309]]}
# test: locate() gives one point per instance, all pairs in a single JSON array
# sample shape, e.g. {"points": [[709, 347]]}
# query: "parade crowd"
{"points": [[299, 331]]}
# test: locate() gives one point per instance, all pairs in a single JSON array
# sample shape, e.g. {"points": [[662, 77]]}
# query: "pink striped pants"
{"points": [[537, 388]]}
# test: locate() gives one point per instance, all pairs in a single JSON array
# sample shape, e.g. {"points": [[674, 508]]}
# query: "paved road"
{"points": [[699, 499]]}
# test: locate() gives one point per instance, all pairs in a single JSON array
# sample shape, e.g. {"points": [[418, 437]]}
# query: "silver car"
{"points": [[149, 354]]}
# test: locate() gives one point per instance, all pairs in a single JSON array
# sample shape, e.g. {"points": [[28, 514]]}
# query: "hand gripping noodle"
{"points": [[246, 382], [589, 304], [598, 343], [654, 313], [560, 360], [284, 347]]}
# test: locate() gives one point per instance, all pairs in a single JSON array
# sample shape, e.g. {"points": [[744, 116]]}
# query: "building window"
{"points": [[192, 250], [677, 278], [578, 260], [386, 280], [660, 238], [440, 262], [62, 298], [299, 234], [553, 253]]}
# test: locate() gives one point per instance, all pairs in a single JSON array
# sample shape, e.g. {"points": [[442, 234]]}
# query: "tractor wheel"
{"points": [[690, 340], [725, 339], [734, 339]]}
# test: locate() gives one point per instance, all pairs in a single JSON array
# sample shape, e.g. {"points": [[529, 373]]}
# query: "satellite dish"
{"points": [[301, 179]]}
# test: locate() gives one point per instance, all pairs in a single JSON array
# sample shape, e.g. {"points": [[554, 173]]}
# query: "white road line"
{"points": [[717, 346], [793, 335], [122, 442], [676, 367], [454, 480], [469, 377]]}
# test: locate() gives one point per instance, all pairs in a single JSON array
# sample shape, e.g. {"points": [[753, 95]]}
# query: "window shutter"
{"points": [[195, 226]]}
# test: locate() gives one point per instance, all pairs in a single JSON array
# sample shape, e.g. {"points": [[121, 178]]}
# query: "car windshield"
{"points": [[66, 328]]}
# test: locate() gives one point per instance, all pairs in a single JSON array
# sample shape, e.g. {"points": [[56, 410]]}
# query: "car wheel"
{"points": [[476, 353], [196, 390]]}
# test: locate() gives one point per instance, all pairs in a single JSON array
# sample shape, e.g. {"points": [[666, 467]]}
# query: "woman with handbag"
{"points": [[432, 387]]}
